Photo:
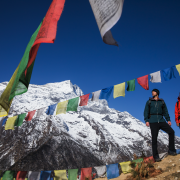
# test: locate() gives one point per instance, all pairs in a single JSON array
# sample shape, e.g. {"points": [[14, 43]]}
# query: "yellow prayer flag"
{"points": [[60, 175], [61, 107], [10, 123], [178, 68], [125, 166], [119, 90], [2, 112]]}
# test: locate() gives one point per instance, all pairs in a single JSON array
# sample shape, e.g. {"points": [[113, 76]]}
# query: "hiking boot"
{"points": [[157, 159], [172, 153]]}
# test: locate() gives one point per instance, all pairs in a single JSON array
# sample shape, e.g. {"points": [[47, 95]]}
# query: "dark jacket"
{"points": [[157, 110]]}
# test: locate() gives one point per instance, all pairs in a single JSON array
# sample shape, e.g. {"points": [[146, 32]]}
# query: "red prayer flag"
{"points": [[47, 32], [30, 115], [148, 159], [143, 81], [86, 173], [84, 100], [21, 175]]}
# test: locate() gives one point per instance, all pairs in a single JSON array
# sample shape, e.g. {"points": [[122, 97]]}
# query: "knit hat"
{"points": [[157, 91]]}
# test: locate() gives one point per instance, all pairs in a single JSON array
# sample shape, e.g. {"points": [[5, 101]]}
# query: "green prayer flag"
{"points": [[19, 120], [138, 161], [8, 175], [73, 104], [72, 174], [131, 85]]}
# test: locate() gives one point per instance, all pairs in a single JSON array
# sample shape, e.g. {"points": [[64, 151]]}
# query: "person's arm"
{"points": [[146, 112], [165, 113]]}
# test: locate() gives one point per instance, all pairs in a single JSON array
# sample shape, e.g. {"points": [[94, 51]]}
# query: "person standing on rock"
{"points": [[154, 113], [177, 112]]}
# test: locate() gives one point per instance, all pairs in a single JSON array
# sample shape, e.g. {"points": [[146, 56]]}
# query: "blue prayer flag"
{"points": [[106, 92], [51, 109], [45, 175], [168, 73], [178, 151], [4, 121], [112, 171]]}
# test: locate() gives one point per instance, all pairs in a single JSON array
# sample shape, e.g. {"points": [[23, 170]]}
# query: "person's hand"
{"points": [[177, 124], [169, 122], [147, 124]]}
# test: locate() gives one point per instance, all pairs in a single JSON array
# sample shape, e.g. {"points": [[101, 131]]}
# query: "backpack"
{"points": [[178, 107], [150, 104]]}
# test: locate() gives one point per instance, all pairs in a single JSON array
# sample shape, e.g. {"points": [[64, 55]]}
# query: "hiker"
{"points": [[154, 111], [177, 112]]}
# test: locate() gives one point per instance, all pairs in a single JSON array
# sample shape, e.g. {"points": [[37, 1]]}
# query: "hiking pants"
{"points": [[155, 127]]}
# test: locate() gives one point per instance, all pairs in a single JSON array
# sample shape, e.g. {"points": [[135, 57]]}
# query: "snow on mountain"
{"points": [[97, 134]]}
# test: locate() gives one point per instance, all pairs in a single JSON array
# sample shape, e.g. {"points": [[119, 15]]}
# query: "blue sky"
{"points": [[148, 35]]}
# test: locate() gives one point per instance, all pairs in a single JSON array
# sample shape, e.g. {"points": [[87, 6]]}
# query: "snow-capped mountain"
{"points": [[97, 135]]}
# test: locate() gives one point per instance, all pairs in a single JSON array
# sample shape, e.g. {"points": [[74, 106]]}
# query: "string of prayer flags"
{"points": [[2, 112], [33, 175], [178, 68], [30, 115], [143, 81], [61, 107], [101, 170], [106, 92], [45, 175], [84, 100], [73, 104], [156, 77], [125, 166], [40, 112], [119, 90], [8, 175], [72, 174], [86, 173], [60, 175], [112, 171], [137, 161], [95, 95], [10, 123], [19, 120], [21, 175], [168, 73], [51, 109], [45, 33], [131, 85]]}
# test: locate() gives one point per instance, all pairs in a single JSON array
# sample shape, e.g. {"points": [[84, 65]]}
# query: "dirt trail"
{"points": [[170, 166]]}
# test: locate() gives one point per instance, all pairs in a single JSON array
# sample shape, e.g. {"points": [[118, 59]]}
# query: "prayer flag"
{"points": [[119, 90], [21, 175], [60, 175], [95, 95], [4, 121], [143, 81], [156, 77], [51, 109], [45, 175], [10, 123], [33, 175], [178, 68], [106, 92], [8, 175], [149, 159], [101, 170], [112, 171], [137, 161], [131, 85], [73, 104], [72, 174], [45, 33], [30, 115], [84, 100], [86, 173], [168, 73], [19, 120], [125, 166], [178, 151], [61, 107], [40, 112], [2, 112]]}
